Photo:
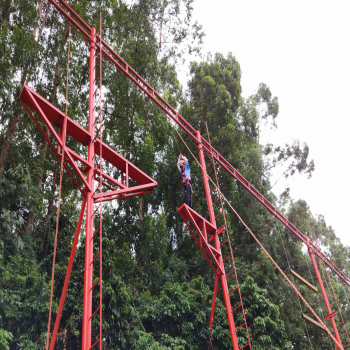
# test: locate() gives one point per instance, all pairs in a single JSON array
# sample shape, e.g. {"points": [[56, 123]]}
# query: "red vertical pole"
{"points": [[205, 180], [87, 303], [231, 322], [100, 336], [324, 294]]}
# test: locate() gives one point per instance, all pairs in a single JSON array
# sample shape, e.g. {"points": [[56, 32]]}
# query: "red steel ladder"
{"points": [[225, 245], [97, 213]]}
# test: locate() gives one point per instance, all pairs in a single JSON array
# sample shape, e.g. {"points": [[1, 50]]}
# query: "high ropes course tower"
{"points": [[96, 187]]}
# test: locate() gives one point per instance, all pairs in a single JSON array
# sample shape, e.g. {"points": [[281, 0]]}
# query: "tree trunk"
{"points": [[8, 138], [30, 219], [15, 120], [44, 21], [44, 147], [62, 335], [49, 210], [37, 18], [6, 11], [141, 209]]}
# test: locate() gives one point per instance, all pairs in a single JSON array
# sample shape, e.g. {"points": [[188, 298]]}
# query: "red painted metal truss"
{"points": [[128, 71], [50, 115], [203, 228]]}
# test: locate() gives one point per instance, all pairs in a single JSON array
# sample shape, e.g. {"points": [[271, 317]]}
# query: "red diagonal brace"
{"points": [[54, 134], [66, 280], [208, 246]]}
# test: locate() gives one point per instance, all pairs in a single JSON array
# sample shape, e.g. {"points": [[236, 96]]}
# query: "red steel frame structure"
{"points": [[114, 58], [331, 315], [325, 297], [213, 253], [51, 117], [340, 324], [50, 114]]}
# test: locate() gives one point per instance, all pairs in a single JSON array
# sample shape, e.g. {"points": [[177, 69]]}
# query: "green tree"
{"points": [[157, 286]]}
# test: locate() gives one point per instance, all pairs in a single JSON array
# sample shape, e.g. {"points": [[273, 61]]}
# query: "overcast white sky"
{"points": [[300, 49]]}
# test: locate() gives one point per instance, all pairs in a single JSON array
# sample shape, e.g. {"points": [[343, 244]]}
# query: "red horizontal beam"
{"points": [[114, 58], [96, 197], [331, 315], [122, 196]]}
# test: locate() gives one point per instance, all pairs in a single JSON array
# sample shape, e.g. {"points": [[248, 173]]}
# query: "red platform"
{"points": [[203, 227], [189, 213], [51, 115]]}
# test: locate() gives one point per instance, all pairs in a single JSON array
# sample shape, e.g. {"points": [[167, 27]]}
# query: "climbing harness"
{"points": [[184, 180]]}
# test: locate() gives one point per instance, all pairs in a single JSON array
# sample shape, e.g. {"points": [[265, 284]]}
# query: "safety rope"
{"points": [[176, 141], [59, 196], [266, 252]]}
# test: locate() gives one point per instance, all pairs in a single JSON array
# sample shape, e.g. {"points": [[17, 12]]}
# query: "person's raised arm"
{"points": [[178, 162]]}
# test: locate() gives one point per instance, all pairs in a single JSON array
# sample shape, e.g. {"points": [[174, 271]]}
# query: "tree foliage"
{"points": [[157, 286]]}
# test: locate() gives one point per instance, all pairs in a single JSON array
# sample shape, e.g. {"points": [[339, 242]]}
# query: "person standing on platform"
{"points": [[184, 169]]}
